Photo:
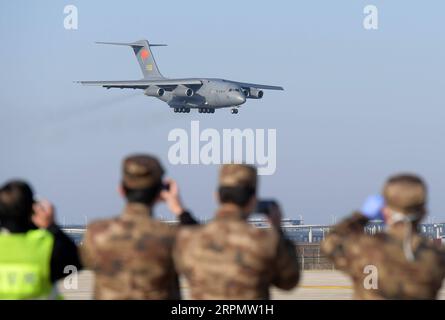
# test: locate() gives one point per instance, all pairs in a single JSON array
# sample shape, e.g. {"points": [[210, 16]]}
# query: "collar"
{"points": [[137, 210], [11, 226], [230, 211], [398, 231]]}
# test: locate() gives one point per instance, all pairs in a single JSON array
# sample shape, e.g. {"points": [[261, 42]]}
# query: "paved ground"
{"points": [[318, 285], [315, 285]]}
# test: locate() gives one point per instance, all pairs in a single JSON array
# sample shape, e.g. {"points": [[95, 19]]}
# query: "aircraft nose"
{"points": [[239, 98]]}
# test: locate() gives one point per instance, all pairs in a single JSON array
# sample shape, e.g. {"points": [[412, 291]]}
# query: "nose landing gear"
{"points": [[234, 111]]}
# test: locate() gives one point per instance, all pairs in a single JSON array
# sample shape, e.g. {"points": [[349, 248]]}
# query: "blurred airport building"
{"points": [[308, 237]]}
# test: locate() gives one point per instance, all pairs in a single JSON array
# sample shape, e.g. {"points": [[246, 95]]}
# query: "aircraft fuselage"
{"points": [[213, 93]]}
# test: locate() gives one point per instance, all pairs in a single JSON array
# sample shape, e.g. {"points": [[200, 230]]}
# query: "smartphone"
{"points": [[166, 186], [36, 199], [265, 206]]}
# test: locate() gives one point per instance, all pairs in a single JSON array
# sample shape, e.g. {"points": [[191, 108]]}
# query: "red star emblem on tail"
{"points": [[144, 54]]}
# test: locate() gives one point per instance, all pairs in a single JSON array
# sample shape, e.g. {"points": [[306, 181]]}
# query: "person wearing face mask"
{"points": [[230, 259], [395, 264], [131, 254]]}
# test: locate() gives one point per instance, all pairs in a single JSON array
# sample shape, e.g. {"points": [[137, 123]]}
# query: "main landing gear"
{"points": [[234, 111], [182, 110], [206, 110]]}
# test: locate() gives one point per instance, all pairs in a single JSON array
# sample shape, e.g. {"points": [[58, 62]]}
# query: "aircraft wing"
{"points": [[141, 84], [258, 86]]}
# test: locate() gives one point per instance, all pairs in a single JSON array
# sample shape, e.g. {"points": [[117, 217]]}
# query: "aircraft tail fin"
{"points": [[144, 56]]}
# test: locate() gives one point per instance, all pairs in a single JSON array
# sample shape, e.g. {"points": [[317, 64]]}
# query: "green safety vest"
{"points": [[25, 264]]}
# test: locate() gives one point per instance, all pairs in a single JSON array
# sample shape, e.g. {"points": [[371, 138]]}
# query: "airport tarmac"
{"points": [[314, 285]]}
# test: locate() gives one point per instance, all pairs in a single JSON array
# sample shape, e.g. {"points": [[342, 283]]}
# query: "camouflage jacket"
{"points": [[230, 259], [131, 256], [377, 263]]}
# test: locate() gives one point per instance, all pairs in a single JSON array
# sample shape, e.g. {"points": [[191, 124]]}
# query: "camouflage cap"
{"points": [[406, 194], [238, 175], [141, 171]]}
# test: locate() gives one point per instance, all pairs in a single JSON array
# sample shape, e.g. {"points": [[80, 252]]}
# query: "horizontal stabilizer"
{"points": [[132, 44]]}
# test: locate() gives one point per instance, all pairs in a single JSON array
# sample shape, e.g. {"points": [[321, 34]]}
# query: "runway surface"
{"points": [[314, 285]]}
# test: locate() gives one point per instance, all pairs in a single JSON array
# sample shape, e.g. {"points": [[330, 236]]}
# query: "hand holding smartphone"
{"points": [[44, 213], [271, 209], [266, 206]]}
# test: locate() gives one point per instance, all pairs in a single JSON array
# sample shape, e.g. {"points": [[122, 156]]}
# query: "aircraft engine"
{"points": [[255, 93], [154, 91], [183, 91]]}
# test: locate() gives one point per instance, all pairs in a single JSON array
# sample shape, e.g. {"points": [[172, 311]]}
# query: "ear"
{"points": [[251, 204], [422, 215], [158, 199], [120, 190], [386, 214], [216, 197]]}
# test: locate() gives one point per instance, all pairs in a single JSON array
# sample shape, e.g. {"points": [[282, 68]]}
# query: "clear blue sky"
{"points": [[359, 105]]}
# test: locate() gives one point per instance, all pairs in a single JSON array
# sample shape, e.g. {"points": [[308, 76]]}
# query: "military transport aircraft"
{"points": [[203, 94]]}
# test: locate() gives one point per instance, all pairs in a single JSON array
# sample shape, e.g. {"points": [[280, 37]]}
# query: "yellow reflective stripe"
{"points": [[16, 278]]}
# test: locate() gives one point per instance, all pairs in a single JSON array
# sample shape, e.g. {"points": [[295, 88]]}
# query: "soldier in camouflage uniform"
{"points": [[131, 255], [397, 263], [229, 258]]}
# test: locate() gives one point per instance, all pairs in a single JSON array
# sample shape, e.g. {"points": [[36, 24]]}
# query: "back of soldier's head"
{"points": [[142, 178], [16, 201], [407, 194], [237, 184]]}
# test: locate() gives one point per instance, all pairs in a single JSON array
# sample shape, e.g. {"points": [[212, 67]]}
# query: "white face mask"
{"points": [[407, 219]]}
